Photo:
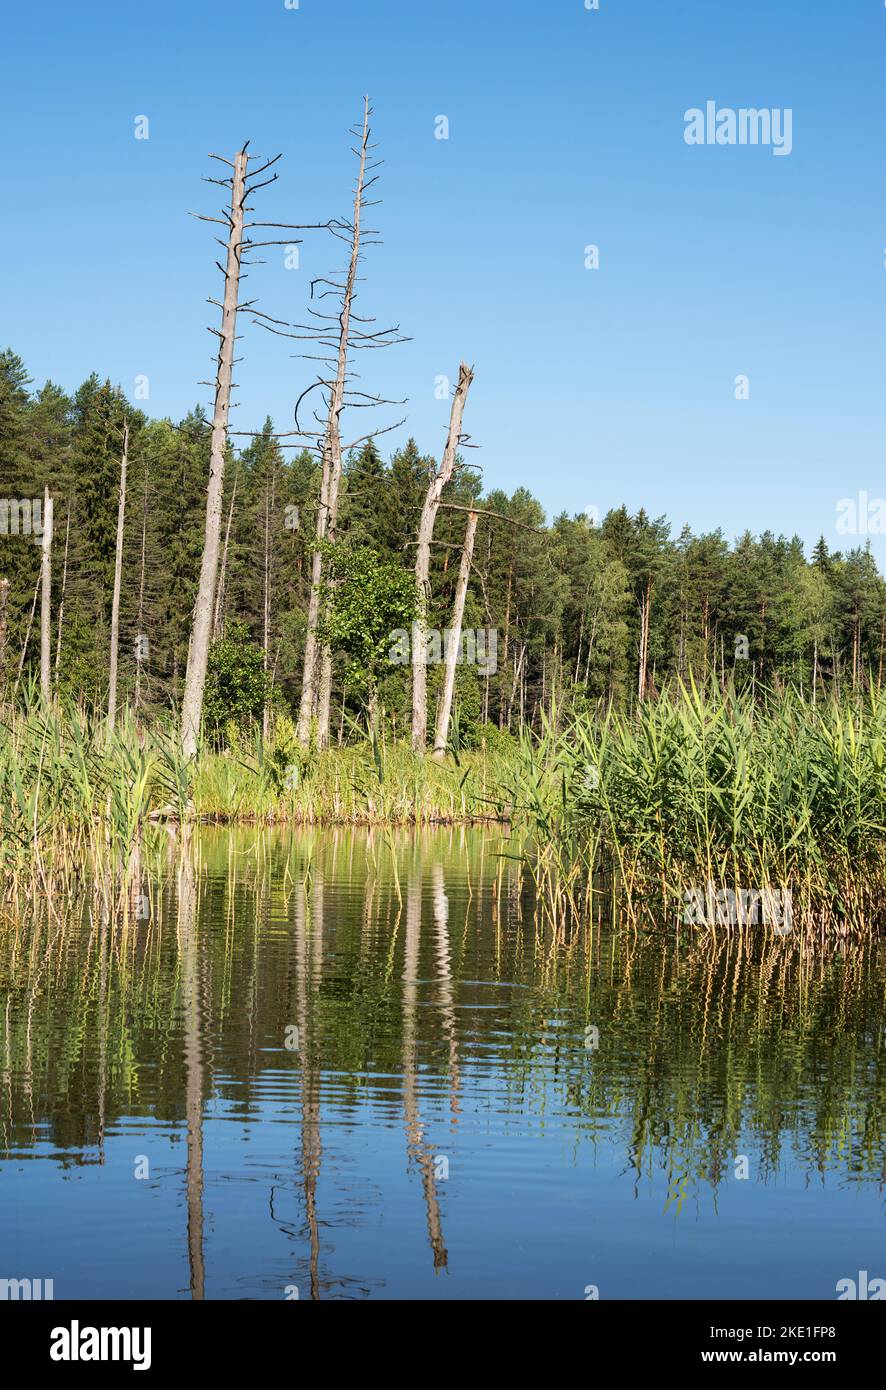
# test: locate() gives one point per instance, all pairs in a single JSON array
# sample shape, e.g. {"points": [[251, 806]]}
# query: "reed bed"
{"points": [[713, 798], [80, 802], [353, 785], [699, 797]]}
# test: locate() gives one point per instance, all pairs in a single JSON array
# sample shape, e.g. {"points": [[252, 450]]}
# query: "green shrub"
{"points": [[237, 686]]}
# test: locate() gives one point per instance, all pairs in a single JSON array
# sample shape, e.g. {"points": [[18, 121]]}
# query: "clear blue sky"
{"points": [[566, 128]]}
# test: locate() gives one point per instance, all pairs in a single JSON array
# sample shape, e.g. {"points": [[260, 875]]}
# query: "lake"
{"points": [[352, 1065]]}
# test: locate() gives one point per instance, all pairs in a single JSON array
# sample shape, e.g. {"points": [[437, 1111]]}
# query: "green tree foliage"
{"points": [[237, 686], [369, 601]]}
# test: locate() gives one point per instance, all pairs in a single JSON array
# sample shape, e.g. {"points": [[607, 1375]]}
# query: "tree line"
{"points": [[581, 612]]}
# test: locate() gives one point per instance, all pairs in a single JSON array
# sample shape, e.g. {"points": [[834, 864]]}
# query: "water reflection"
{"points": [[419, 1152], [191, 1008], [474, 1106]]}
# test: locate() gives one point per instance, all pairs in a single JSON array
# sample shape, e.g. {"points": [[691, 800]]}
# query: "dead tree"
{"points": [[643, 671], [338, 334], [316, 684], [236, 246], [46, 597], [317, 675], [198, 651], [429, 510], [118, 576], [444, 710]]}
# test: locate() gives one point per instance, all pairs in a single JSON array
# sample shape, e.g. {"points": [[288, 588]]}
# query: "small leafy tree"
{"points": [[368, 600], [236, 682]]}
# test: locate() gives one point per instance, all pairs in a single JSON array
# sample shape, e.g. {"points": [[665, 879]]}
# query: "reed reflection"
{"points": [[432, 1002]]}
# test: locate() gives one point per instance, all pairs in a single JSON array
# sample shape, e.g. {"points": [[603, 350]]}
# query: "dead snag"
{"points": [[423, 558]]}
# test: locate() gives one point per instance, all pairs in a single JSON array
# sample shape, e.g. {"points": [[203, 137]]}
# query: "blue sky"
{"points": [[592, 387]]}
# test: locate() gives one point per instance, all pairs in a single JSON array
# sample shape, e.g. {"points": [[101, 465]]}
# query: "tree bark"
{"points": [[220, 589], [309, 681], [444, 711], [324, 698], [118, 577], [198, 651], [423, 560], [645, 609]]}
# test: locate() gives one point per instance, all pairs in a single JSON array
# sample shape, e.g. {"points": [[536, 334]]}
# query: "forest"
{"points": [[583, 613]]}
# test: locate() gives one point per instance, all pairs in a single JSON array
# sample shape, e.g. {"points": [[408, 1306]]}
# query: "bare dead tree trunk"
{"points": [[118, 578], [335, 333], [309, 683], [441, 737], [642, 675], [220, 592], [61, 600], [324, 698], [198, 651], [46, 597], [423, 559], [317, 675]]}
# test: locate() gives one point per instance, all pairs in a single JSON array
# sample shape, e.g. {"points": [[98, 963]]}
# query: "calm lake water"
{"points": [[342, 1065]]}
